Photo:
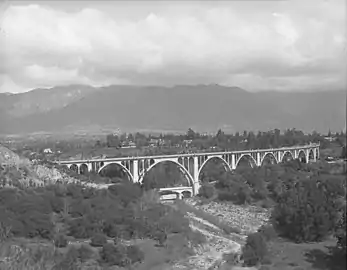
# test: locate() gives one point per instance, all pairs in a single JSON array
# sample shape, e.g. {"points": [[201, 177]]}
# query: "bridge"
{"points": [[191, 165]]}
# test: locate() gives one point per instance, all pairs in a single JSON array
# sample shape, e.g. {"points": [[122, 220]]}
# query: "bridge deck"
{"points": [[191, 155]]}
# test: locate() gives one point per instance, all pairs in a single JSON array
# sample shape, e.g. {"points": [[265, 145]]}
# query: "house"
{"points": [[47, 151]]}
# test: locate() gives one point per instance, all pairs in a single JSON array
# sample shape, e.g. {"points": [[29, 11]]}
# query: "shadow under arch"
{"points": [[270, 156], [250, 160], [74, 167], [311, 155], [302, 156], [119, 165], [84, 168], [226, 165], [287, 156], [185, 172]]}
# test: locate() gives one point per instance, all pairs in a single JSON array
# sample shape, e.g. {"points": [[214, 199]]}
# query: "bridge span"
{"points": [[191, 164]]}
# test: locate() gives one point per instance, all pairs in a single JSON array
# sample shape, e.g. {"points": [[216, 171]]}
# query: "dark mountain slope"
{"points": [[202, 107]]}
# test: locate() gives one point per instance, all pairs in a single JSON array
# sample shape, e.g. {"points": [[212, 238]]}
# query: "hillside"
{"points": [[202, 107]]}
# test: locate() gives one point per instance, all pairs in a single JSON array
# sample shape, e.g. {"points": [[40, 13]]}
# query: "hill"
{"points": [[201, 107]]}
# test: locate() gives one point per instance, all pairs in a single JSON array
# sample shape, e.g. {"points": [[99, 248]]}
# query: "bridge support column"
{"points": [[90, 167], [233, 162], [307, 155], [135, 171], [196, 185], [278, 153], [296, 154], [258, 160]]}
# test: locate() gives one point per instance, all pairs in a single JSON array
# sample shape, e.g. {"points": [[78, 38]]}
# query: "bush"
{"points": [[60, 241], [134, 254], [114, 254], [268, 232], [85, 252], [207, 191], [231, 259], [255, 250], [307, 211], [340, 233], [98, 240]]}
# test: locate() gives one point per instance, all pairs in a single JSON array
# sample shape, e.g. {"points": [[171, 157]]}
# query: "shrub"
{"points": [[160, 236], [231, 259], [134, 254], [255, 250], [207, 191], [268, 232], [60, 241], [340, 233], [307, 211], [114, 254], [98, 240], [85, 252]]}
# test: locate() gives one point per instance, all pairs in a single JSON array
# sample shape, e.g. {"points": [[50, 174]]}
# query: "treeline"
{"points": [[221, 140], [308, 203], [173, 143]]}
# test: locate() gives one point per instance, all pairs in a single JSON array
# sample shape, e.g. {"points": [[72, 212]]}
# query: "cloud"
{"points": [[281, 46]]}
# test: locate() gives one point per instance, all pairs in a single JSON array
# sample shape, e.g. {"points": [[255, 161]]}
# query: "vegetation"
{"points": [[70, 226], [62, 213]]}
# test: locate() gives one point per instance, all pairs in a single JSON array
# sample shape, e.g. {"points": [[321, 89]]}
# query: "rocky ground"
{"points": [[211, 255]]}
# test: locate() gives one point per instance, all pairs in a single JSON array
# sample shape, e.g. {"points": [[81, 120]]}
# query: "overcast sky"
{"points": [[256, 45]]}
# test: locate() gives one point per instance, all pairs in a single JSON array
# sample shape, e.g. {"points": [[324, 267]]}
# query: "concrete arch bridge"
{"points": [[191, 165]]}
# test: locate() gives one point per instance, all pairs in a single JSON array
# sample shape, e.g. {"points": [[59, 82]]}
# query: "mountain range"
{"points": [[204, 108]]}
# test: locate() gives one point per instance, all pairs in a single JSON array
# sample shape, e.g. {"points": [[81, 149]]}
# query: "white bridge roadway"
{"points": [[192, 164]]}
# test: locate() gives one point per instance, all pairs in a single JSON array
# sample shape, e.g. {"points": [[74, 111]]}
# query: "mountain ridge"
{"points": [[203, 107]]}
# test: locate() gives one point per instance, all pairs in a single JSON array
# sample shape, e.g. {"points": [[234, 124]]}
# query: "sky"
{"points": [[256, 45]]}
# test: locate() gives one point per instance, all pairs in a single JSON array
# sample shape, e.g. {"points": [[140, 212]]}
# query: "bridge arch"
{"points": [[311, 155], [251, 161], [225, 163], [266, 155], [302, 156], [73, 167], [125, 169], [285, 156], [84, 168], [187, 175]]}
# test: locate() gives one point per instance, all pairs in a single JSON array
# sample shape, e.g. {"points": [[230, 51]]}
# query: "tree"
{"points": [[344, 152], [190, 134], [112, 140], [307, 211], [98, 240], [255, 249], [340, 232]]}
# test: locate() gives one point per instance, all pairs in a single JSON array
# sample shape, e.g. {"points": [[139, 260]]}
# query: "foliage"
{"points": [[340, 232], [308, 210], [123, 211], [134, 254], [268, 232], [207, 191], [233, 188], [114, 254], [60, 241], [98, 240], [255, 250]]}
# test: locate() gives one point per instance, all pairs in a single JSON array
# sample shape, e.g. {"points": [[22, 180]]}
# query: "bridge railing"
{"points": [[191, 155]]}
